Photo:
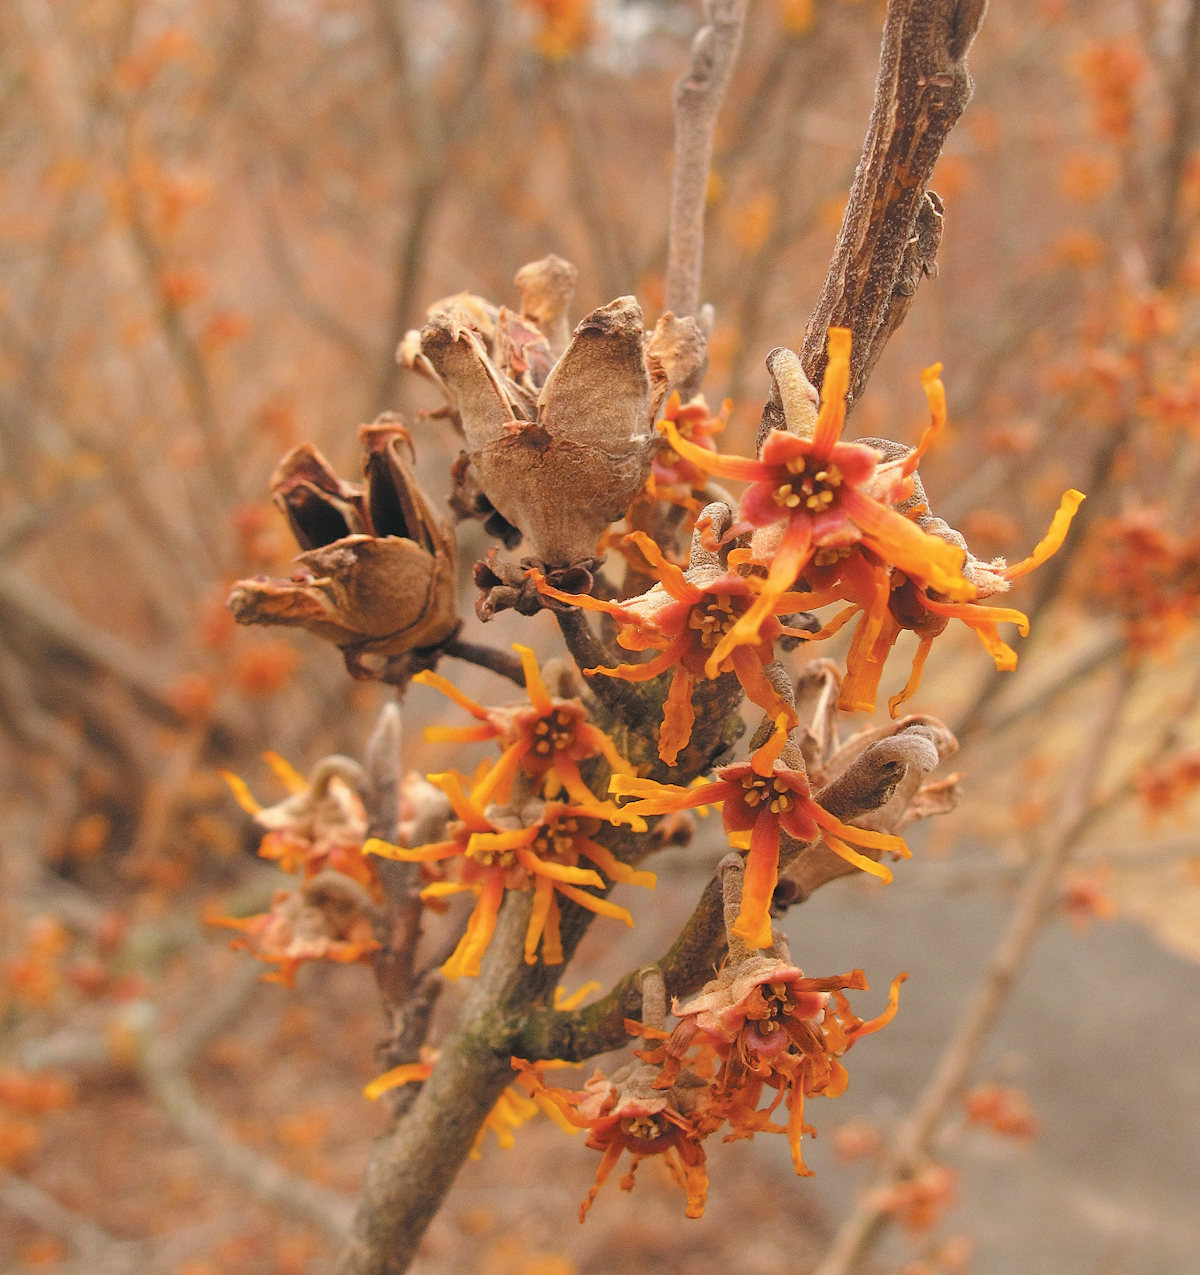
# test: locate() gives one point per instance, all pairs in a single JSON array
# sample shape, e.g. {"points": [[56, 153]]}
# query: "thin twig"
{"points": [[1172, 238], [501, 662], [1034, 904], [698, 98]]}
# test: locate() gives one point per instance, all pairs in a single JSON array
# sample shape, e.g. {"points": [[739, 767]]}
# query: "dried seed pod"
{"points": [[377, 576], [563, 466]]}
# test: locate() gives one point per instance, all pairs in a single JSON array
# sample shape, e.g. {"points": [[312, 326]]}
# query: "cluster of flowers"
{"points": [[759, 1027], [544, 412]]}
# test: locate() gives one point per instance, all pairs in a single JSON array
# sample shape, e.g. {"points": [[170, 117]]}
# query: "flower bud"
{"points": [[377, 575]]}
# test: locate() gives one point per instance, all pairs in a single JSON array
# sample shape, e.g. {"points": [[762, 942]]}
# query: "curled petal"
{"points": [[1051, 542], [874, 1024], [843, 851]]}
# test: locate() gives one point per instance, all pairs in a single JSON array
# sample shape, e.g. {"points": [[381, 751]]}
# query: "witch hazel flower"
{"points": [[685, 617], [760, 800], [823, 494], [495, 849], [545, 739]]}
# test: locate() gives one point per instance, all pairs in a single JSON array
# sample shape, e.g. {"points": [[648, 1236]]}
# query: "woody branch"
{"points": [[891, 228], [698, 98]]}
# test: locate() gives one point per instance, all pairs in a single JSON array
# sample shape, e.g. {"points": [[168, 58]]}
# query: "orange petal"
{"points": [[601, 906], [758, 885], [614, 869], [402, 1075], [874, 1024], [843, 851], [735, 467], [758, 688], [450, 784], [673, 579], [935, 393], [535, 688], [283, 770], [480, 929], [241, 792], [764, 759], [1051, 542], [543, 897], [438, 682], [652, 668], [914, 678], [929, 559], [557, 871], [678, 716], [832, 416], [418, 854]]}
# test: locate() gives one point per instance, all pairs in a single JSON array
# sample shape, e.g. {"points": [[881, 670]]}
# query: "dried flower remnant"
{"points": [[376, 575], [812, 496], [559, 445], [321, 823], [684, 617], [546, 739], [536, 848], [761, 799], [328, 919], [626, 1112], [772, 1027]]}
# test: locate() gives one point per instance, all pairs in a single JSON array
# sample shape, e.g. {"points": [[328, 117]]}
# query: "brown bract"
{"points": [[559, 444], [377, 574]]}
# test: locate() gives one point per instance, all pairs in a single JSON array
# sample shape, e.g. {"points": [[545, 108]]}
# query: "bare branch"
{"points": [[1185, 127], [698, 98], [1079, 813], [891, 228]]}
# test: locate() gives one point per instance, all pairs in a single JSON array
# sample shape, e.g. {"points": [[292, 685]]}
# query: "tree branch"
{"points": [[891, 227], [698, 98], [1079, 812]]}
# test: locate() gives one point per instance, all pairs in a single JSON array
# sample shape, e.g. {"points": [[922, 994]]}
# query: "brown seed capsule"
{"points": [[377, 573], [561, 448]]}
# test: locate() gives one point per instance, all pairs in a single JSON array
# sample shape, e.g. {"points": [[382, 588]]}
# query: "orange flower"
{"points": [[320, 825], [772, 1027], [627, 1113], [1003, 1109], [671, 471], [761, 798], [686, 616], [826, 494], [891, 604], [547, 738], [517, 1105], [542, 856]]}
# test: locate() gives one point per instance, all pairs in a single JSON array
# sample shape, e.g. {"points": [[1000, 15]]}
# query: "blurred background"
{"points": [[217, 220]]}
